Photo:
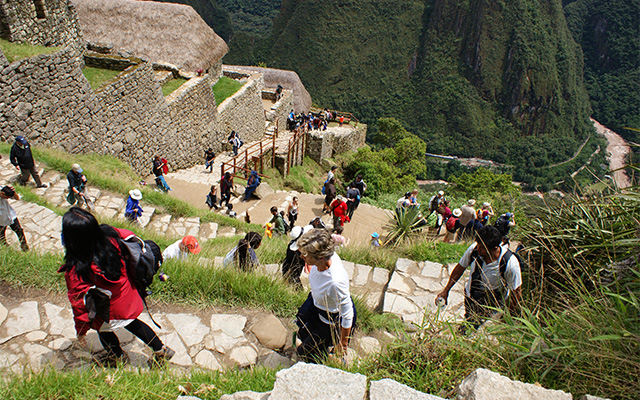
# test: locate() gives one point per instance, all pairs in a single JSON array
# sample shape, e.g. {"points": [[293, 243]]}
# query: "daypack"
{"points": [[143, 259], [451, 223]]}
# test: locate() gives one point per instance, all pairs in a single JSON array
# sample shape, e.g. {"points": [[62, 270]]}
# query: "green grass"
{"points": [[306, 178], [172, 85], [225, 87], [98, 76], [123, 384], [18, 51]]}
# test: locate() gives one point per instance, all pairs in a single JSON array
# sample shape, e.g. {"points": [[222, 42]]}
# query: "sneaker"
{"points": [[109, 359], [44, 185], [162, 355]]}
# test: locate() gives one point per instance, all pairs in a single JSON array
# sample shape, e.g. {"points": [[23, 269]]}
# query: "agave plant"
{"points": [[404, 224]]}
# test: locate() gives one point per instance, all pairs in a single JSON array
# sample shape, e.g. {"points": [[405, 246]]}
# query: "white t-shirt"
{"points": [[490, 274], [173, 251], [330, 291], [7, 213]]}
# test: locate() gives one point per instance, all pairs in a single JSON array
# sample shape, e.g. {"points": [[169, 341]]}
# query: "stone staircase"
{"points": [[42, 226]]}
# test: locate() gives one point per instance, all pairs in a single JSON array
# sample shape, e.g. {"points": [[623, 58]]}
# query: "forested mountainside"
{"points": [[495, 79], [609, 33]]}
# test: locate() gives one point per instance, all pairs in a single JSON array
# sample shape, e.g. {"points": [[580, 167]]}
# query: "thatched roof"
{"points": [[168, 32], [288, 79]]}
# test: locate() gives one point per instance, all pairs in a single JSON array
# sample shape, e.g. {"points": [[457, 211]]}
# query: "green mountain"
{"points": [[609, 33]]}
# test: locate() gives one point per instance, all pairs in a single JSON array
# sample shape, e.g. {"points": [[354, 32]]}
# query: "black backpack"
{"points": [[143, 259], [502, 224]]}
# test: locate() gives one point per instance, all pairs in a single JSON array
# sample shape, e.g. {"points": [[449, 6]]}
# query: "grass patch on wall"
{"points": [[225, 87], [172, 85], [98, 76], [18, 51]]}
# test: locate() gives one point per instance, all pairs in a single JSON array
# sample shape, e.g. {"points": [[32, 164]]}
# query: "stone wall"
{"points": [[324, 144], [40, 22], [280, 110], [3, 59], [243, 112], [113, 62], [47, 99]]}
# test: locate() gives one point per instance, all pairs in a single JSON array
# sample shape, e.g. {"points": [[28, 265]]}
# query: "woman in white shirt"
{"points": [[328, 316]]}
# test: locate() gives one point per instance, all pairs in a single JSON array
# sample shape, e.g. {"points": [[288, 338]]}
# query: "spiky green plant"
{"points": [[405, 224]]}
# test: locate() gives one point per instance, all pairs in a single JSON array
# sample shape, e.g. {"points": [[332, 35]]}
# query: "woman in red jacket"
{"points": [[102, 296]]}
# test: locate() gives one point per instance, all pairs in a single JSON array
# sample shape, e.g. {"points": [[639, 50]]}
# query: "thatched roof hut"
{"points": [[288, 79], [167, 32]]}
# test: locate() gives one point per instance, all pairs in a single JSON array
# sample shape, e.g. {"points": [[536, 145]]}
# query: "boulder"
{"points": [[263, 190], [316, 382], [483, 384], [386, 389], [270, 332]]}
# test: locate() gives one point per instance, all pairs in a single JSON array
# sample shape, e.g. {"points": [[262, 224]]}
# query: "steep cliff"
{"points": [[501, 80], [609, 33]]}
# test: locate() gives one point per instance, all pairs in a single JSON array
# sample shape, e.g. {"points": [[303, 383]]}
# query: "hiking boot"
{"points": [[161, 356], [109, 359], [42, 185]]}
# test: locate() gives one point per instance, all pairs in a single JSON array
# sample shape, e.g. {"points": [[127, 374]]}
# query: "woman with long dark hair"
{"points": [[102, 296], [244, 253]]}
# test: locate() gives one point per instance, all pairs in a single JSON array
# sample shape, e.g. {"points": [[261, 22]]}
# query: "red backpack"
{"points": [[451, 223]]}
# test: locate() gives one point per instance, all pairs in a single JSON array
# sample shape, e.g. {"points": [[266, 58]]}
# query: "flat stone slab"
{"points": [[189, 327], [316, 382], [230, 324], [483, 384], [22, 319], [387, 389]]}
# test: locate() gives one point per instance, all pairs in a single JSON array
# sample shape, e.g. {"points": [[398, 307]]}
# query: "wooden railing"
{"points": [[261, 147], [293, 149]]}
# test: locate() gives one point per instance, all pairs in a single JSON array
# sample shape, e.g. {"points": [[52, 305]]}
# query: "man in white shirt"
{"points": [[495, 277], [8, 217], [182, 248]]}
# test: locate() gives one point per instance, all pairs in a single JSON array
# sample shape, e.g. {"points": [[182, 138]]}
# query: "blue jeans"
{"points": [[162, 184]]}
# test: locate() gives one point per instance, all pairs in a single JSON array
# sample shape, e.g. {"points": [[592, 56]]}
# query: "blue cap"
{"points": [[509, 215], [375, 235], [21, 140]]}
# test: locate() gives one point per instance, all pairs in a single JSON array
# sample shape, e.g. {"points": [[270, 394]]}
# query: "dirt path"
{"points": [[617, 150]]}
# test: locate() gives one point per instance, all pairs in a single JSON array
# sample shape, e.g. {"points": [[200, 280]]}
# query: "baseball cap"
{"points": [[508, 215], [76, 167], [135, 194], [375, 235], [21, 140], [191, 243]]}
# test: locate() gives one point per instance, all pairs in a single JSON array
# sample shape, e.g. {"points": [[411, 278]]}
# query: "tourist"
{"points": [[8, 217], [252, 184], [404, 202], [226, 183], [292, 211], [293, 262], [235, 141], [328, 316], [77, 184], [160, 168], [244, 255], [21, 157], [133, 210], [338, 239], [339, 209], [362, 187], [182, 248], [466, 219], [277, 221], [483, 214], [375, 240], [494, 277], [101, 293], [353, 195], [436, 201], [329, 194], [211, 199], [230, 213], [452, 224], [317, 223], [413, 199], [504, 224], [209, 156]]}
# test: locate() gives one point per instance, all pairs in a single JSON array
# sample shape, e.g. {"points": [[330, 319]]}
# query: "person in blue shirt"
{"points": [[133, 209], [252, 184]]}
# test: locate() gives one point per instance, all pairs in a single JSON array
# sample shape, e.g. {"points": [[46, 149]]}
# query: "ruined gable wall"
{"points": [[40, 22]]}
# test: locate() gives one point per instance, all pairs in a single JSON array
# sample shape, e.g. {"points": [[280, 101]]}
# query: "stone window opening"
{"points": [[39, 4]]}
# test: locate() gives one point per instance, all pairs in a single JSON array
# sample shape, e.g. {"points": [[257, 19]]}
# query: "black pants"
{"points": [[111, 343], [315, 335], [292, 219], [351, 207], [15, 226], [225, 198]]}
